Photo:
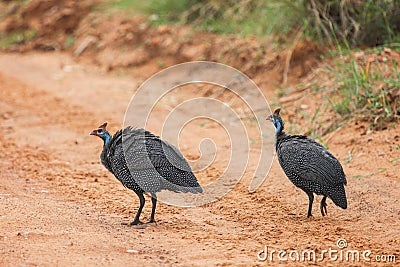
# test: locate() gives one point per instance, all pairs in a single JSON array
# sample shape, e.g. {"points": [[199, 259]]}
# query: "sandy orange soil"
{"points": [[59, 206]]}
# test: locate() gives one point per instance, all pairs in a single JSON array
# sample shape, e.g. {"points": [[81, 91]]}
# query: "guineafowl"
{"points": [[144, 163], [310, 166]]}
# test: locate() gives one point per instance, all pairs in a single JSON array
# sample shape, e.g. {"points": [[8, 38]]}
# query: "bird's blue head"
{"points": [[102, 133], [276, 120]]}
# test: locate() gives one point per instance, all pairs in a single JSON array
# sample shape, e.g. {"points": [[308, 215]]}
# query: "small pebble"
{"points": [[304, 106], [359, 55]]}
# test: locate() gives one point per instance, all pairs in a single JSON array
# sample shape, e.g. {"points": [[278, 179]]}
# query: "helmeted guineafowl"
{"points": [[309, 166], [149, 164]]}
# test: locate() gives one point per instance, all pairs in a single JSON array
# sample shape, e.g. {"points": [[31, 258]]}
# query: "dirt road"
{"points": [[59, 206]]}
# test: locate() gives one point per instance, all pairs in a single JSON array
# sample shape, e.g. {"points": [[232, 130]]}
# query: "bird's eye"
{"points": [[99, 130]]}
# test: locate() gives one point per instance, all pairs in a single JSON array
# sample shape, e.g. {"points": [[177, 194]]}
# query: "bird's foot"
{"points": [[136, 222], [133, 223], [309, 215], [152, 221], [324, 211]]}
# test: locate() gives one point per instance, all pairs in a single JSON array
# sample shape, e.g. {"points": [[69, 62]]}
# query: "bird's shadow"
{"points": [[140, 225]]}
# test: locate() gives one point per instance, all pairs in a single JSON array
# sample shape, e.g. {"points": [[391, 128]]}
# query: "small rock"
{"points": [[387, 50], [380, 154], [303, 106], [143, 26], [67, 68], [22, 233], [153, 17], [129, 36], [193, 52], [85, 43], [163, 29], [132, 251], [359, 55]]}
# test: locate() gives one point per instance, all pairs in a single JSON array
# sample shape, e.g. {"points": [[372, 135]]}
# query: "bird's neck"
{"points": [[279, 127], [280, 134], [106, 138]]}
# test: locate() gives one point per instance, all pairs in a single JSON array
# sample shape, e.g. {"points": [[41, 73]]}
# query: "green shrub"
{"points": [[16, 38], [370, 89], [367, 22]]}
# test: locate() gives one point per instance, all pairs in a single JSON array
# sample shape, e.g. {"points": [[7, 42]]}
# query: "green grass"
{"points": [[350, 157], [160, 12], [245, 17], [370, 22], [69, 41], [161, 63], [379, 170], [123, 4], [360, 89], [9, 40], [366, 88]]}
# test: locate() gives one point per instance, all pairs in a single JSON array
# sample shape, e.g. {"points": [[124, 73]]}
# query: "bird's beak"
{"points": [[268, 118], [93, 132]]}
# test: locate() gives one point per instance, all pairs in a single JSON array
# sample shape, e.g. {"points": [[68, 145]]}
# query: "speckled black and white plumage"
{"points": [[310, 166], [149, 164]]}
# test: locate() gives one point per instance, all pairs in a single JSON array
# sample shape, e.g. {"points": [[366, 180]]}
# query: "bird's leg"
{"points": [[323, 206], [153, 208], [311, 199], [136, 220]]}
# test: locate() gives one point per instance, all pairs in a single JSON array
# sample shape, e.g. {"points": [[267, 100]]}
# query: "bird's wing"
{"points": [[313, 162], [144, 150], [147, 155], [139, 158], [134, 147], [165, 154]]}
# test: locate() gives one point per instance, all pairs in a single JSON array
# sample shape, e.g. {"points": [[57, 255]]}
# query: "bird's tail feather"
{"points": [[182, 181], [183, 188]]}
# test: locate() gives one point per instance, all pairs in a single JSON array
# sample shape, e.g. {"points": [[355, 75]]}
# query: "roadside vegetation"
{"points": [[367, 86], [355, 22], [359, 40]]}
